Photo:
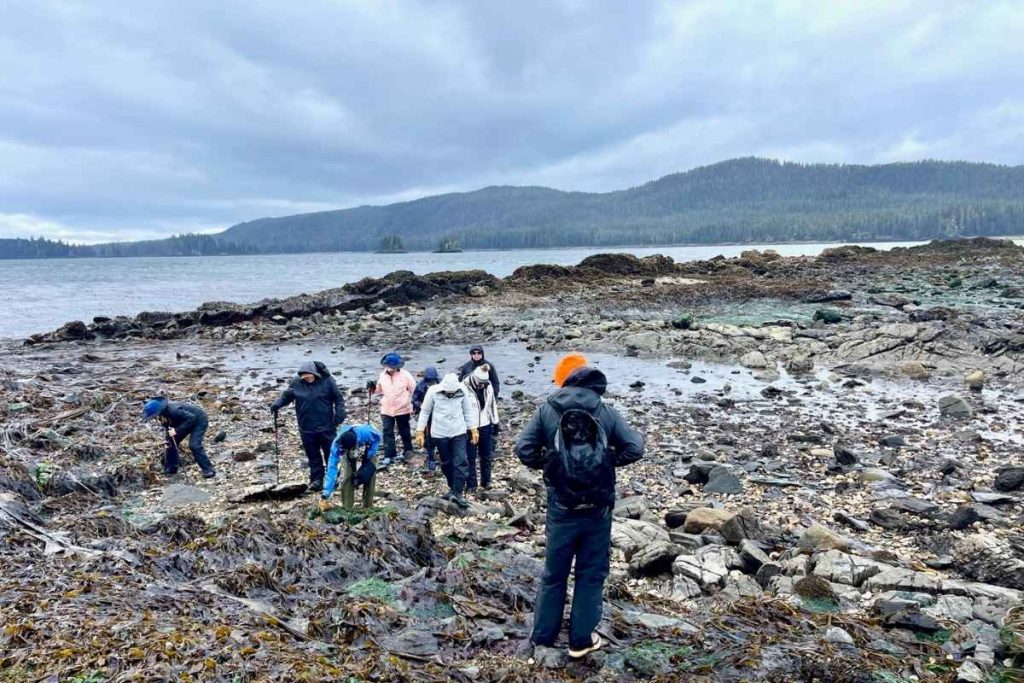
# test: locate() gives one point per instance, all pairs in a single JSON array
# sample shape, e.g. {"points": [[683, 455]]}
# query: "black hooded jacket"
{"points": [[582, 390], [319, 405], [184, 417], [471, 365]]}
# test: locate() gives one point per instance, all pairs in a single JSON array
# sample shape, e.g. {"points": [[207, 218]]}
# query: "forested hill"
{"points": [[742, 200]]}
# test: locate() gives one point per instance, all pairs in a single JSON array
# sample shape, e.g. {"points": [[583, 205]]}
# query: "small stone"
{"points": [[845, 455], [956, 407], [243, 456], [913, 620], [548, 657], [14, 408], [742, 526], [700, 519], [975, 381], [221, 435], [829, 316], [1009, 479], [963, 517], [838, 636], [850, 521], [892, 441], [915, 370], [722, 480], [817, 537], [754, 360]]}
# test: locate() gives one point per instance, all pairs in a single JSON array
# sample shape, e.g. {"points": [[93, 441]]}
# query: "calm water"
{"points": [[39, 296]]}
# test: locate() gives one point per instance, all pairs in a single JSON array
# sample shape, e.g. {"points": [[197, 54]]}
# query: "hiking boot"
{"points": [[209, 474], [595, 645], [459, 500], [315, 486], [384, 464], [170, 473]]}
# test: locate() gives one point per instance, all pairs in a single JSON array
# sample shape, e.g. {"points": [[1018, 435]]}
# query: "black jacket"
{"points": [[582, 390], [470, 365], [319, 405], [184, 417]]}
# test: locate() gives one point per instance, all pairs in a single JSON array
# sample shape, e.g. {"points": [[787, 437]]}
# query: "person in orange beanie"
{"points": [[565, 366]]}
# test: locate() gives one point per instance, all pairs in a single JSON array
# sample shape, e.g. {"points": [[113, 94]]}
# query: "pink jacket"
{"points": [[396, 393]]}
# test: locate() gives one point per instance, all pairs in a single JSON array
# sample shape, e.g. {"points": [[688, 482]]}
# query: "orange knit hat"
{"points": [[566, 364]]}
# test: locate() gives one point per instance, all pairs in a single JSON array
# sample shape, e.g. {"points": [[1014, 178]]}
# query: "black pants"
{"points": [[388, 427], [483, 452], [454, 465], [195, 444], [317, 446], [586, 536]]}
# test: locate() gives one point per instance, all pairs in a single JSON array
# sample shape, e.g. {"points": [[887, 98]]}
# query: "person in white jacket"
{"points": [[481, 391], [453, 418]]}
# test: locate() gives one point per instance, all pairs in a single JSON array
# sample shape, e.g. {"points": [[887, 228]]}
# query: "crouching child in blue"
{"points": [[578, 441], [344, 455]]}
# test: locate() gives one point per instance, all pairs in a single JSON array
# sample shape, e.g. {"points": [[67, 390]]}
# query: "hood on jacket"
{"points": [[450, 384], [310, 368], [587, 378], [431, 375], [481, 376]]}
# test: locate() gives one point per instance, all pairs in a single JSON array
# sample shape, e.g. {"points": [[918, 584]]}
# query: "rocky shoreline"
{"points": [[832, 489]]}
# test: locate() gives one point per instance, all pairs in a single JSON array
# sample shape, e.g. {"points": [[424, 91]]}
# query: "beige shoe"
{"points": [[596, 644]]}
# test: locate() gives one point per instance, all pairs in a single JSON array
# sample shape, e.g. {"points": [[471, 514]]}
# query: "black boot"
{"points": [[315, 486]]}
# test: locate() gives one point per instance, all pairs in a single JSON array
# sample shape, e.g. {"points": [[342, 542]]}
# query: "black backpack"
{"points": [[583, 451], [322, 369]]}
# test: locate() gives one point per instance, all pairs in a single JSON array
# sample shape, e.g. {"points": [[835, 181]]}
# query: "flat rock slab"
{"points": [[177, 495]]}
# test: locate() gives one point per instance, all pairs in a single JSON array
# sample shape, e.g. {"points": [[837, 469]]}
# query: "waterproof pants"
{"points": [[317, 446], [586, 536], [454, 465], [482, 452], [195, 444], [348, 492], [388, 427]]}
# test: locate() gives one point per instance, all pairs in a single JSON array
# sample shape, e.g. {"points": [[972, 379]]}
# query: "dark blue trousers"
{"points": [[454, 465], [317, 446], [583, 535], [195, 444], [483, 453]]}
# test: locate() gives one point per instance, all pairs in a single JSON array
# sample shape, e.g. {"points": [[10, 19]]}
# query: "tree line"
{"points": [[742, 200]]}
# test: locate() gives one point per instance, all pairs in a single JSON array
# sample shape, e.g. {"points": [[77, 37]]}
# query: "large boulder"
{"points": [[818, 537], [955, 407], [702, 519], [838, 567], [630, 535]]}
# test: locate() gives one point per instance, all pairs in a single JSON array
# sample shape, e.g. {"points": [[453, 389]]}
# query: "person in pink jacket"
{"points": [[395, 387]]}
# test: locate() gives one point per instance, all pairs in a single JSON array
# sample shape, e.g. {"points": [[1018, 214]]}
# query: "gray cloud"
{"points": [[127, 121]]}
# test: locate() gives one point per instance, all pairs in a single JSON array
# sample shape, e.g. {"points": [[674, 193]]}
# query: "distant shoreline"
{"points": [[596, 248]]}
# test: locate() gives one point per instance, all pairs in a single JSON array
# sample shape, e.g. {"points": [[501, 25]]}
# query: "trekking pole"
{"points": [[277, 453]]}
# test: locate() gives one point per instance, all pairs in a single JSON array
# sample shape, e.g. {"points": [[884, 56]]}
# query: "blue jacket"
{"points": [[420, 393], [366, 437]]}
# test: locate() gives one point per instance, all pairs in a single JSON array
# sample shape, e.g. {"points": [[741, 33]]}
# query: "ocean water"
{"points": [[40, 295]]}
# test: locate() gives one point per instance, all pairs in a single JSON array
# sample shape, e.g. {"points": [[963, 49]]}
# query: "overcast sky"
{"points": [[127, 120]]}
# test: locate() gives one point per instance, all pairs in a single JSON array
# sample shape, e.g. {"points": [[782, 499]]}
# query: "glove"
{"points": [[274, 409], [324, 505], [421, 439], [371, 385], [496, 428], [474, 436]]}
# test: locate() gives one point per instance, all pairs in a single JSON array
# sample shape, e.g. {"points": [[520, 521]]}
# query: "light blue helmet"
{"points": [[152, 407]]}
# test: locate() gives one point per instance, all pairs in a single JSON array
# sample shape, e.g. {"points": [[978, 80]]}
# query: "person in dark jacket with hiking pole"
{"points": [[181, 420], [476, 359], [319, 409], [578, 441]]}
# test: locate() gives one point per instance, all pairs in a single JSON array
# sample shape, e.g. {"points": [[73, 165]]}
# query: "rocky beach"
{"points": [[833, 487]]}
